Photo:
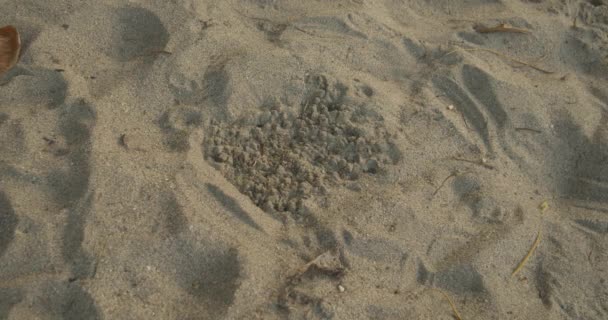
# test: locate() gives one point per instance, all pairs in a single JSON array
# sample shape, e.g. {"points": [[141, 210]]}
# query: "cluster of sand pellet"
{"points": [[281, 158]]}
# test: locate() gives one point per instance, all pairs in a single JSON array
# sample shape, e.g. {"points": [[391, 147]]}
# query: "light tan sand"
{"points": [[190, 159]]}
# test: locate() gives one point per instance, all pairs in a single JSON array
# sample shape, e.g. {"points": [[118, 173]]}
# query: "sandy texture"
{"points": [[265, 159]]}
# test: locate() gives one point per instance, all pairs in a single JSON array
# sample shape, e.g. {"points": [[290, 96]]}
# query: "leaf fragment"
{"points": [[10, 46]]}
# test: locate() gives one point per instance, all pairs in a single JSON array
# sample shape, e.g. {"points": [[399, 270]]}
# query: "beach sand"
{"points": [[266, 159]]}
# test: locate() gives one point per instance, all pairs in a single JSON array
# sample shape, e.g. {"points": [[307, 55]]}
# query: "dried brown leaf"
{"points": [[10, 46]]}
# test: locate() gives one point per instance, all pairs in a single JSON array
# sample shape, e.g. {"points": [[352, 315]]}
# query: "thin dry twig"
{"points": [[328, 261], [452, 175], [501, 27], [528, 129], [462, 20], [502, 55], [525, 259], [456, 313], [466, 123], [304, 31], [478, 162], [590, 208], [535, 62]]}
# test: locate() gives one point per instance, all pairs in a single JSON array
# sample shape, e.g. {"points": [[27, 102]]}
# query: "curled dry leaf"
{"points": [[10, 45]]}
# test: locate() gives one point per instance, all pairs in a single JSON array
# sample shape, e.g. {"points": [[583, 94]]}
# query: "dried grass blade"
{"points": [[510, 58], [452, 305], [525, 259], [502, 27]]}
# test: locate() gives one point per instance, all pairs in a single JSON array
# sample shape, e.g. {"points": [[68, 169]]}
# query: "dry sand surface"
{"points": [[305, 159]]}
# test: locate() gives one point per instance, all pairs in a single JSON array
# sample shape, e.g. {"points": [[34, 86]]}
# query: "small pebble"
{"points": [[341, 288]]}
